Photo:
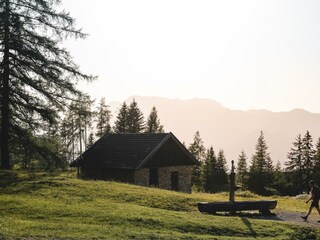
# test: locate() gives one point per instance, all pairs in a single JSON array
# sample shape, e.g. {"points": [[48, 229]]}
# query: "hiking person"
{"points": [[315, 195]]}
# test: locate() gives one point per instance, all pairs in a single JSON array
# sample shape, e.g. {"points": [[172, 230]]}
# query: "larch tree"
{"points": [[153, 122], [36, 72], [103, 116], [76, 127], [86, 116]]}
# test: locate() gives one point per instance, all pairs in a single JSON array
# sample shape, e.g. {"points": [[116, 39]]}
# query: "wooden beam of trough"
{"points": [[214, 207]]}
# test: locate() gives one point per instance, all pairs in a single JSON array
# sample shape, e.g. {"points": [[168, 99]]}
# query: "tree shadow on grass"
{"points": [[9, 178], [249, 226], [270, 216], [252, 215], [15, 182]]}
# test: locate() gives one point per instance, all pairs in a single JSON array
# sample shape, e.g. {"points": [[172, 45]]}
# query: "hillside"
{"points": [[40, 206], [230, 130]]}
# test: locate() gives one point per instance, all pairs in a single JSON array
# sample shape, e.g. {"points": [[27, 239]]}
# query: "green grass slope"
{"points": [[39, 206]]}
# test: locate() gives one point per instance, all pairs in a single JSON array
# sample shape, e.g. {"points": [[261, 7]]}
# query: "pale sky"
{"points": [[243, 54]]}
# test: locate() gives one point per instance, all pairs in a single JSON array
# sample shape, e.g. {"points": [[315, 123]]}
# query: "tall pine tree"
{"points": [[242, 170], [295, 165], [269, 171], [258, 177], [35, 71], [279, 180], [308, 157], [222, 169], [135, 118], [209, 171], [316, 170], [197, 149], [153, 122], [130, 119], [121, 123]]}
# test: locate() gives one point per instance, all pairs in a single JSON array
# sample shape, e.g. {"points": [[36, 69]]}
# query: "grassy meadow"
{"points": [[42, 206]]}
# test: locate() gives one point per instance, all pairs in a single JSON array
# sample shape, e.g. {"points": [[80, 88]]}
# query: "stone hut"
{"points": [[158, 160]]}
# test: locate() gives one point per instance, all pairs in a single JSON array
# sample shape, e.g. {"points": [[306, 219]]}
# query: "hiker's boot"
{"points": [[304, 218]]}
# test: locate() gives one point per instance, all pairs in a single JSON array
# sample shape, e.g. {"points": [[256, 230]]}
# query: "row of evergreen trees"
{"points": [[211, 174], [130, 119], [83, 122], [262, 176], [304, 162]]}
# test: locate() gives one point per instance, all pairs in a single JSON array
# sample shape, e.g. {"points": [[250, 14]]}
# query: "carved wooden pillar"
{"points": [[232, 183]]}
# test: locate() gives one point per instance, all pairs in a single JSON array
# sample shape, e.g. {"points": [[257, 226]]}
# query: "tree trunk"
{"points": [[5, 161]]}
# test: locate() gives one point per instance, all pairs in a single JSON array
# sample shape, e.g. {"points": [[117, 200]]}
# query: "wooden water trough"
{"points": [[263, 207], [233, 206]]}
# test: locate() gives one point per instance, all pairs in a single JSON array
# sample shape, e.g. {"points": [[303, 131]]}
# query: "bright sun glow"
{"points": [[244, 54]]}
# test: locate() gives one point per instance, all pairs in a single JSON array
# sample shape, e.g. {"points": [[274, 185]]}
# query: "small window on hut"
{"points": [[175, 181], [154, 177]]}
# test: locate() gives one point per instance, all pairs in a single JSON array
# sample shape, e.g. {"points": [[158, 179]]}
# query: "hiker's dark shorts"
{"points": [[315, 204]]}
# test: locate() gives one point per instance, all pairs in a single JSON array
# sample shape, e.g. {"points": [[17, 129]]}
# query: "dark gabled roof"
{"points": [[127, 151]]}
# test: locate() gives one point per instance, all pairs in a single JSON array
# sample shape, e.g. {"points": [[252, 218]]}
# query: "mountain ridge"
{"points": [[227, 129]]}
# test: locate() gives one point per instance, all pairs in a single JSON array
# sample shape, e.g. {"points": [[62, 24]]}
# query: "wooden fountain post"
{"points": [[232, 183]]}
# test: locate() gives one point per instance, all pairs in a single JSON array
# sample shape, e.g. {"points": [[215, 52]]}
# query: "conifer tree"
{"points": [[135, 118], [295, 164], [308, 157], [153, 122], [269, 171], [242, 170], [197, 150], [222, 169], [209, 171], [35, 71], [316, 170], [257, 174], [121, 124], [103, 117], [279, 180]]}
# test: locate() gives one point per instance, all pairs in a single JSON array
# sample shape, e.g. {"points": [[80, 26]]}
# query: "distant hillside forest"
{"points": [[54, 148], [260, 174]]}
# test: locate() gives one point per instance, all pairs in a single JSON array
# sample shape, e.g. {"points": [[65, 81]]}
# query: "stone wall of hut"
{"points": [[141, 177]]}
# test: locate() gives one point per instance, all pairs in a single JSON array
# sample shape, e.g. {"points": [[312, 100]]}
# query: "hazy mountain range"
{"points": [[230, 130]]}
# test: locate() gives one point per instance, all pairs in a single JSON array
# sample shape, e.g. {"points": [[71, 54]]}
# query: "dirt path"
{"points": [[292, 217]]}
